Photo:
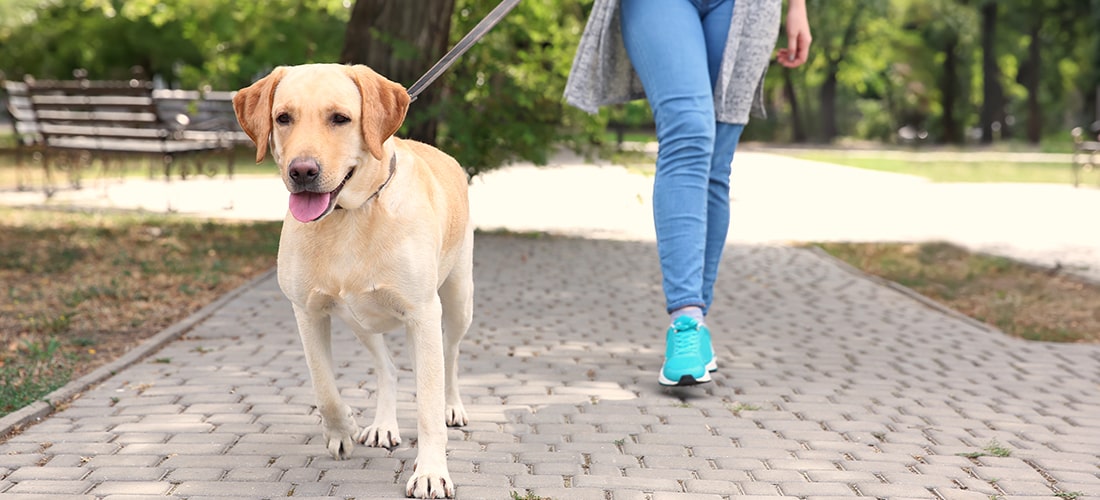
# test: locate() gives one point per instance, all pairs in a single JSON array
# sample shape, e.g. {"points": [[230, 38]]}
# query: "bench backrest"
{"points": [[22, 112], [49, 111], [85, 108], [206, 111]]}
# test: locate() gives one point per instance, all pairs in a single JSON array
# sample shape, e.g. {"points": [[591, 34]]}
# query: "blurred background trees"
{"points": [[894, 71]]}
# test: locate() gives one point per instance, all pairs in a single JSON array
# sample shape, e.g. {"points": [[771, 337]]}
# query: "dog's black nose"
{"points": [[303, 170]]}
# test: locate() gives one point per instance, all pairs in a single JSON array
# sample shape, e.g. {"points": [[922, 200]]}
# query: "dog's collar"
{"points": [[393, 168]]}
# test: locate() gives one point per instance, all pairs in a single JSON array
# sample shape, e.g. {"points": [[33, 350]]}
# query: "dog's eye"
{"points": [[283, 119], [340, 119]]}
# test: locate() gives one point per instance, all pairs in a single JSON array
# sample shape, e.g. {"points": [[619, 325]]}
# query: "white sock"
{"points": [[692, 312]]}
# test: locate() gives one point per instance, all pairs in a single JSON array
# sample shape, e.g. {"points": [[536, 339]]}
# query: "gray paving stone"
{"points": [[195, 474], [571, 493], [830, 384], [59, 473], [105, 474], [46, 496], [50, 487], [894, 490], [804, 489], [132, 488], [232, 488]]}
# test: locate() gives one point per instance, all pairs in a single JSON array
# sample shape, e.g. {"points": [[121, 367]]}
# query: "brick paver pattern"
{"points": [[830, 385]]}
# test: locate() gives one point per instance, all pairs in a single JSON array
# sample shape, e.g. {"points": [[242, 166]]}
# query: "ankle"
{"points": [[693, 312]]}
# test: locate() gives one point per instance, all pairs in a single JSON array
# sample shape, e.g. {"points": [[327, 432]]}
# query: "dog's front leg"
{"points": [[383, 432], [337, 420], [430, 478]]}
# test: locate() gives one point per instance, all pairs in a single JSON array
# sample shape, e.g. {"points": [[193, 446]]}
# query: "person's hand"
{"points": [[798, 36]]}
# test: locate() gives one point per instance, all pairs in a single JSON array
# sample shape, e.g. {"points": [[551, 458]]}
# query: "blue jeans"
{"points": [[676, 47]]}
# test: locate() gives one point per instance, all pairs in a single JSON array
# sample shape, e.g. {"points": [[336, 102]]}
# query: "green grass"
{"points": [[740, 407], [1019, 300], [612, 137], [992, 449], [956, 170], [80, 289], [42, 368], [515, 495]]}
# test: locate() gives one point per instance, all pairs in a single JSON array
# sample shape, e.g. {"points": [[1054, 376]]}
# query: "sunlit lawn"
{"points": [[80, 289], [1020, 300], [957, 171], [29, 173]]}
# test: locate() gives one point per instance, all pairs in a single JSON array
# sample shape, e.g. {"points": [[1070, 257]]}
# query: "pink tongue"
{"points": [[306, 206]]}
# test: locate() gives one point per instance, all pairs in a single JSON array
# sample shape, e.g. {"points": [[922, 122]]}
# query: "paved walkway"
{"points": [[831, 385]]}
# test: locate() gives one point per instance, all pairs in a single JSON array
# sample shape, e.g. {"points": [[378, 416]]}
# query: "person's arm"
{"points": [[798, 36]]}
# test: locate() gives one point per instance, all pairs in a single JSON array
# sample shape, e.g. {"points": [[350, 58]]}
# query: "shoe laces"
{"points": [[685, 339]]}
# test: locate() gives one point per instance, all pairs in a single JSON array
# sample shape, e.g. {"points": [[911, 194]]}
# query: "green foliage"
{"points": [[502, 100], [503, 97], [189, 43], [892, 72]]}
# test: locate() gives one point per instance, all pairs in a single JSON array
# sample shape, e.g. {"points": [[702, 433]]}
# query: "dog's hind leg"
{"points": [[383, 431], [337, 420], [457, 297]]}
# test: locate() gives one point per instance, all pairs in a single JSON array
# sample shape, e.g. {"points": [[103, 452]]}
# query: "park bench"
{"points": [[205, 116], [73, 123], [27, 137], [1085, 154], [208, 114]]}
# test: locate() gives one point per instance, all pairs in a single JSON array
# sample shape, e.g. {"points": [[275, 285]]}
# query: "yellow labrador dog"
{"points": [[378, 234]]}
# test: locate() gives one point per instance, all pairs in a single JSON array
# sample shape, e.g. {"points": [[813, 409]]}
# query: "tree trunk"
{"points": [[828, 106], [798, 132], [829, 87], [1031, 82], [1093, 98], [948, 91], [401, 41], [992, 99]]}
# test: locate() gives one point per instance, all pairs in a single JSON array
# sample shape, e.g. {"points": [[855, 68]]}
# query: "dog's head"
{"points": [[321, 121]]}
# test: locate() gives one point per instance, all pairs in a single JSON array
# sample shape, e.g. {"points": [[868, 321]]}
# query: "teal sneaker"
{"points": [[708, 349], [686, 345]]}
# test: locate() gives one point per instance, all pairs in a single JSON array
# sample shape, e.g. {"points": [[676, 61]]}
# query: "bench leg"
{"points": [[1075, 167], [167, 160], [230, 203], [48, 174], [19, 166]]}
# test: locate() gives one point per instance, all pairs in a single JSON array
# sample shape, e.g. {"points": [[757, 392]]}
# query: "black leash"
{"points": [[462, 46]]}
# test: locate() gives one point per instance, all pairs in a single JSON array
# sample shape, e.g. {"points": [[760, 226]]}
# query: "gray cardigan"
{"points": [[602, 73]]}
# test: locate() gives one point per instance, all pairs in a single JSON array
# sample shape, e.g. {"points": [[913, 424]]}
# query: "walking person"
{"points": [[701, 65]]}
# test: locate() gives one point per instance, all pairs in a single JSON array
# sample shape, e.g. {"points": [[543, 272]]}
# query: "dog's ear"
{"points": [[253, 107], [384, 106]]}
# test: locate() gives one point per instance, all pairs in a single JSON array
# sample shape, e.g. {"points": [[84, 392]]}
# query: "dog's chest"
{"points": [[359, 292], [370, 312]]}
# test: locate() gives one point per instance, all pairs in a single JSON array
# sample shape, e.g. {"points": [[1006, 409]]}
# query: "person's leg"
{"points": [[718, 204], [666, 44], [716, 25]]}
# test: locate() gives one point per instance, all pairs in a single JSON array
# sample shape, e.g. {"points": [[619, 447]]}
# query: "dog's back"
{"points": [[453, 181]]}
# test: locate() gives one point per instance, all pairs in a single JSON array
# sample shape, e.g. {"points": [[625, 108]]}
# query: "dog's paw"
{"points": [[428, 483], [340, 432], [340, 447], [380, 436], [456, 416]]}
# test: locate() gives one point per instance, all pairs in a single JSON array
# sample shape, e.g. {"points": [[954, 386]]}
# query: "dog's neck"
{"points": [[393, 168]]}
